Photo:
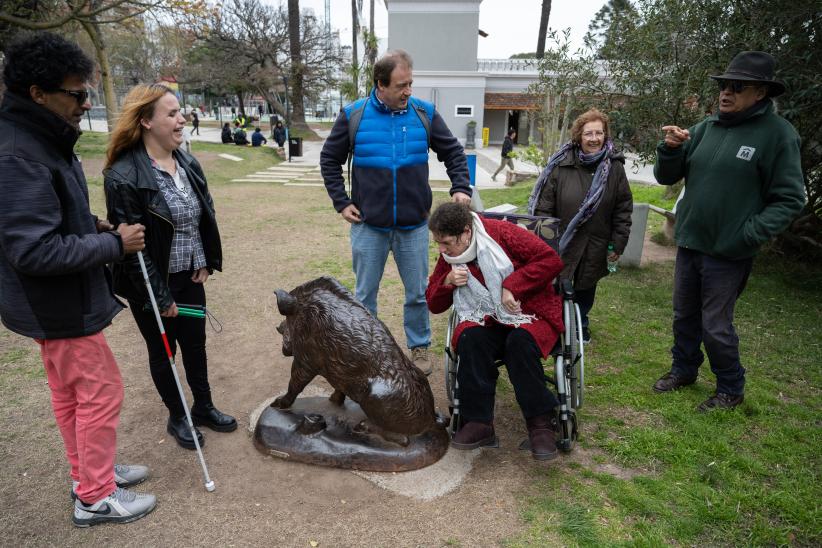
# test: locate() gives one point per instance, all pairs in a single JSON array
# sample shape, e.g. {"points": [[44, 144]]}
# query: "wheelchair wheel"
{"points": [[568, 433], [572, 367], [450, 359]]}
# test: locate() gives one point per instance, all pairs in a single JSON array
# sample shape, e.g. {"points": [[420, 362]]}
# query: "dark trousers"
{"points": [[705, 292], [191, 336], [478, 349], [585, 299]]}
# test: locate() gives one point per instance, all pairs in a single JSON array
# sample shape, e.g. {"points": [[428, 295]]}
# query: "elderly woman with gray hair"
{"points": [[498, 277], [585, 186]]}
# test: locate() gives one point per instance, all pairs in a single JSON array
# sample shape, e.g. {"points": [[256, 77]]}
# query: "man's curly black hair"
{"points": [[43, 59], [450, 219]]}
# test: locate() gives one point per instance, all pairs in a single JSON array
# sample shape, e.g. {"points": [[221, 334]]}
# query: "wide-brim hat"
{"points": [[753, 66]]}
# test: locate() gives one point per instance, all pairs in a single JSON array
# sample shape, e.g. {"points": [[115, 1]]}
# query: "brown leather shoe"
{"points": [[475, 434], [542, 437], [671, 381], [720, 400]]}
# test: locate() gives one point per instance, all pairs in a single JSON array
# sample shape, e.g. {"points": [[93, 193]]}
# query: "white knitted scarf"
{"points": [[475, 301]]}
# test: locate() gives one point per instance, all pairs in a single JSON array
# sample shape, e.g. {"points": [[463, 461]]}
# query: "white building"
{"points": [[442, 37]]}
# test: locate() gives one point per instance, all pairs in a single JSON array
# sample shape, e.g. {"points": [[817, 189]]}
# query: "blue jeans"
{"points": [[705, 293], [369, 248]]}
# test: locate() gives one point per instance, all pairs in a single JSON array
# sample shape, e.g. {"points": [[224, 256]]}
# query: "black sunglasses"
{"points": [[735, 86], [81, 96]]}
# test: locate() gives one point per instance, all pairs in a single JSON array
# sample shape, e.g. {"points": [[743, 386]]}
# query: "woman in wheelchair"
{"points": [[498, 278]]}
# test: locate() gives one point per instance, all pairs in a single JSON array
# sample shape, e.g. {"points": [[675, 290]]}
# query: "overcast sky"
{"points": [[512, 25]]}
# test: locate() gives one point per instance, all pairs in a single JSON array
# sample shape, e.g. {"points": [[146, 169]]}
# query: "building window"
{"points": [[464, 111]]}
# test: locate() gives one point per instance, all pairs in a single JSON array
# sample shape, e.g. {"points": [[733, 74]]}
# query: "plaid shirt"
{"points": [[187, 246]]}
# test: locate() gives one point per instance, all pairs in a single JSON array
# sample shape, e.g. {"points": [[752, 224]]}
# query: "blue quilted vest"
{"points": [[393, 143]]}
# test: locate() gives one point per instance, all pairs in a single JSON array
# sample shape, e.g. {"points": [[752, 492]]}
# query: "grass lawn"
{"points": [[748, 477], [656, 472]]}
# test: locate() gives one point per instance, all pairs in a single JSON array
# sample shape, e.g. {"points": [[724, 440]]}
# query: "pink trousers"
{"points": [[86, 395]]}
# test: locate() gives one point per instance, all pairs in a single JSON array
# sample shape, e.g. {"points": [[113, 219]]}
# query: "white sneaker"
{"points": [[125, 475], [122, 506]]}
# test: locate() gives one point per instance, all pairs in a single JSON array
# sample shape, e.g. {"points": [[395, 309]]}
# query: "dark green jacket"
{"points": [[743, 184]]}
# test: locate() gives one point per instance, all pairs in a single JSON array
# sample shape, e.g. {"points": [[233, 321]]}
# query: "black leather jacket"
{"points": [[133, 196]]}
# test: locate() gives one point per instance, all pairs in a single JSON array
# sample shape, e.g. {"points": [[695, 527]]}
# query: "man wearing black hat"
{"points": [[743, 185]]}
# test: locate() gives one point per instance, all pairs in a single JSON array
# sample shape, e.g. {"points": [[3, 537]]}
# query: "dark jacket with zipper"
{"points": [[389, 165], [53, 280], [585, 257], [743, 182], [133, 195]]}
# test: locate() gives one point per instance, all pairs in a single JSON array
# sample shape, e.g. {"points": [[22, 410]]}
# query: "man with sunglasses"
{"points": [[743, 186], [54, 284]]}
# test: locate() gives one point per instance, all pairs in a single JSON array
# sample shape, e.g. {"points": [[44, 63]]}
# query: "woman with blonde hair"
{"points": [[585, 186], [150, 180]]}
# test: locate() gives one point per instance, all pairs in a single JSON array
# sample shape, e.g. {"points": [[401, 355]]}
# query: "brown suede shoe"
{"points": [[720, 401], [475, 434], [542, 437], [671, 381]]}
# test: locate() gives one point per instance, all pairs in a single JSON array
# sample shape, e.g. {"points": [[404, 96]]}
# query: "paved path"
{"points": [[488, 159]]}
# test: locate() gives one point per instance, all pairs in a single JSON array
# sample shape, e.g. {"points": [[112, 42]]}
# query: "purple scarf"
{"points": [[594, 195]]}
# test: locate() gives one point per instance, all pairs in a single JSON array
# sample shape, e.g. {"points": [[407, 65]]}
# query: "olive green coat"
{"points": [[585, 257]]}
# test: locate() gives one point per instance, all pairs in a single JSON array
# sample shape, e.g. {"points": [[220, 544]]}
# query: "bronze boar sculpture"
{"points": [[381, 415]]}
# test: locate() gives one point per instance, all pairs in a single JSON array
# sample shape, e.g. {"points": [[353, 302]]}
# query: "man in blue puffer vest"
{"points": [[390, 195]]}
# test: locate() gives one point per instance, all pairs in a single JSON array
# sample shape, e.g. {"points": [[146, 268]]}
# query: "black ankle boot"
{"points": [[205, 414], [178, 427]]}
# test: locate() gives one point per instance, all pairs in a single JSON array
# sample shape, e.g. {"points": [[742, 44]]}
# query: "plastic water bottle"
{"points": [[612, 265]]}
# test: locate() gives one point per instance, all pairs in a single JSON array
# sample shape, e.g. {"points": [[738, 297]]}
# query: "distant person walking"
{"points": [[195, 122], [279, 134], [507, 148]]}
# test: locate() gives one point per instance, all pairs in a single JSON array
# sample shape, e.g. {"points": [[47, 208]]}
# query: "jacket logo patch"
{"points": [[745, 153]]}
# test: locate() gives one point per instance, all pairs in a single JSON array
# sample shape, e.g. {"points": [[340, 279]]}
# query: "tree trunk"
{"points": [[297, 109], [543, 28], [355, 31], [110, 97], [241, 108]]}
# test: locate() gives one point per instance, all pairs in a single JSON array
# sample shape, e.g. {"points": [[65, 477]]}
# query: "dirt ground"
{"points": [[273, 236]]}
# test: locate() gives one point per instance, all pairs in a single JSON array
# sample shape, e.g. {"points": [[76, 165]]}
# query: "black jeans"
{"points": [[585, 299], [705, 293], [478, 349], [191, 336]]}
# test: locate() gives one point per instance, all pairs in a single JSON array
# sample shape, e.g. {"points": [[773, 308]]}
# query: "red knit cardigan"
{"points": [[535, 267]]}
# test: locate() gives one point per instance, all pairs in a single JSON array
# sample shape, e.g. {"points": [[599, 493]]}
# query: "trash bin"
{"points": [[295, 146]]}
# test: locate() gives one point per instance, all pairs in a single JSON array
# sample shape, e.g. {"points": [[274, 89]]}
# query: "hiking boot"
{"points": [[419, 356], [122, 506], [542, 437], [671, 381], [720, 400], [210, 416], [475, 434], [178, 428], [125, 475]]}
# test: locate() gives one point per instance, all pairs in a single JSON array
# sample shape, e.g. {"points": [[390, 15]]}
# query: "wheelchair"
{"points": [[568, 375]]}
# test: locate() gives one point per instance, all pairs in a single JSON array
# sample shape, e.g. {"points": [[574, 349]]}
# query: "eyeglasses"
{"points": [[590, 134], [735, 86], [80, 95]]}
